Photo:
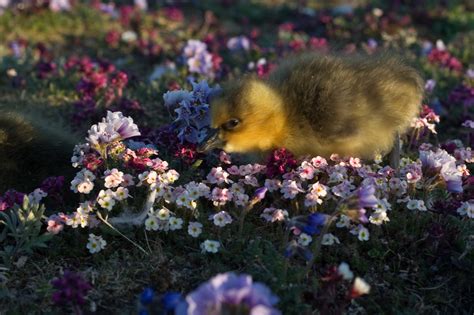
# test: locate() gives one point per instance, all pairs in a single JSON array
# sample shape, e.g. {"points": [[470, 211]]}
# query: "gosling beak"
{"points": [[211, 142]]}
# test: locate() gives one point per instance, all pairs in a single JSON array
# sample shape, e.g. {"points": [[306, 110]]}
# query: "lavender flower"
{"points": [[366, 197], [198, 59], [229, 293]]}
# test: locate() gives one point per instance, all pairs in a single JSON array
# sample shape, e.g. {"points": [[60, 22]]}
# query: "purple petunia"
{"points": [[230, 293]]}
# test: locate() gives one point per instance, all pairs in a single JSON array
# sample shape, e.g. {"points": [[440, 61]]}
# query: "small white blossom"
{"points": [[163, 214], [414, 204], [467, 209], [95, 244], [344, 221], [304, 239], [379, 217], [345, 271], [175, 223], [210, 246], [221, 218], [151, 224], [330, 239], [194, 229], [363, 234], [121, 194]]}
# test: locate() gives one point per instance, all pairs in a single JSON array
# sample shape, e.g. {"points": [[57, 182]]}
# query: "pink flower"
{"points": [[55, 224], [355, 162], [220, 196], [224, 157], [306, 170], [319, 162]]}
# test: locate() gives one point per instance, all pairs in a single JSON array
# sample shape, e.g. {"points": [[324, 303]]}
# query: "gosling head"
{"points": [[248, 116]]}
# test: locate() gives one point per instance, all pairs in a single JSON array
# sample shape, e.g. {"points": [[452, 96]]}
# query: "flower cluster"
{"points": [[192, 118], [71, 289], [199, 59]]}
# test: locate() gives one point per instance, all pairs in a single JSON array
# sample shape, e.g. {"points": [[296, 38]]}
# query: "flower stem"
{"points": [[99, 215]]}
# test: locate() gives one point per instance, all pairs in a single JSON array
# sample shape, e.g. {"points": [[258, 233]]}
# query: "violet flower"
{"points": [[71, 289], [366, 197], [440, 161]]}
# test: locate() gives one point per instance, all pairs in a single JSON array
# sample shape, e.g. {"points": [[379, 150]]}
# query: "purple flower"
{"points": [[260, 193], [229, 293], [10, 198], [366, 196], [430, 85], [71, 288]]}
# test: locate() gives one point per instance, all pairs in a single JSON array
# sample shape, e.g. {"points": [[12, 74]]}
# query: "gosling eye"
{"points": [[230, 124]]}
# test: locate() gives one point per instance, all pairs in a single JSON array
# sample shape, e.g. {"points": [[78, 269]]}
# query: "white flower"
{"points": [[163, 214], [113, 178], [360, 287], [330, 239], [106, 199], [363, 234], [129, 36], [96, 243], [83, 182], [221, 218], [467, 209], [304, 239], [210, 246], [175, 223], [414, 204], [169, 177], [194, 229], [121, 194], [345, 271], [151, 224], [344, 221], [149, 178], [379, 217]]}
